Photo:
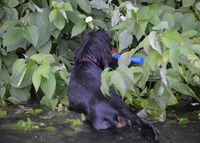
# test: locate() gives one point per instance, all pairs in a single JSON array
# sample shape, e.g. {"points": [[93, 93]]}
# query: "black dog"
{"points": [[84, 92]]}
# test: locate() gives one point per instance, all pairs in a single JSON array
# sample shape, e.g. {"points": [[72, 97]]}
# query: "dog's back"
{"points": [[84, 91]]}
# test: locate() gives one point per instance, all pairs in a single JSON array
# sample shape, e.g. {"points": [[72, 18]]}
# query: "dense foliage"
{"points": [[38, 39]]}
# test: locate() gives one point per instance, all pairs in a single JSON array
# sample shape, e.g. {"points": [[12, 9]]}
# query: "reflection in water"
{"points": [[64, 132], [170, 133]]}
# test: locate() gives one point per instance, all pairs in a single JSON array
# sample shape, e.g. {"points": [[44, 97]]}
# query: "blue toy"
{"points": [[135, 60]]}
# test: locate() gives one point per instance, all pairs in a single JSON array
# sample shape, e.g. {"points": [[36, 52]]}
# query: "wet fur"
{"points": [[84, 91]]}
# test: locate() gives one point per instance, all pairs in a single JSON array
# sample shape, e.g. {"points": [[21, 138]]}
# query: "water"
{"points": [[65, 133]]}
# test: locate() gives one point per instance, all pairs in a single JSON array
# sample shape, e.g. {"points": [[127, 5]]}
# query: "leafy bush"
{"points": [[46, 33]]}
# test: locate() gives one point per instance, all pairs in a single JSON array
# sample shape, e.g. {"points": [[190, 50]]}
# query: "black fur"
{"points": [[84, 91]]}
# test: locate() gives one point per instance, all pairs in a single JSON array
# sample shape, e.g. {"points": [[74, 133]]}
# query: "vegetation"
{"points": [[38, 40]]}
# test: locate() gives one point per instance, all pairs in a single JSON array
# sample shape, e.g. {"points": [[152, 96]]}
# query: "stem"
{"points": [[196, 12]]}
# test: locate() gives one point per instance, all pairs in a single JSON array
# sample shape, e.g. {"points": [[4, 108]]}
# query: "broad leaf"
{"points": [[188, 3], [12, 36], [161, 25], [169, 18], [105, 82], [184, 89], [12, 3], [144, 13], [67, 7], [154, 42], [125, 39], [189, 21], [115, 17], [59, 21], [36, 78], [174, 58], [99, 4], [48, 86], [19, 70], [171, 38], [19, 95], [53, 14], [77, 29], [84, 5], [31, 34], [124, 59], [44, 70], [2, 92], [118, 83], [41, 58], [197, 5], [196, 48], [51, 103]]}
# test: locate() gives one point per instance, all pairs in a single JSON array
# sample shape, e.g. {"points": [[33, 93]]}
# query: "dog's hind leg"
{"points": [[147, 128]]}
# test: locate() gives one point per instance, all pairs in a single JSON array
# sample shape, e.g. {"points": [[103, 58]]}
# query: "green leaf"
{"points": [[44, 70], [13, 100], [189, 21], [123, 25], [197, 6], [184, 121], [2, 92], [53, 14], [35, 112], [125, 39], [190, 33], [42, 22], [105, 82], [19, 95], [27, 79], [188, 3], [84, 5], [171, 38], [43, 58], [67, 7], [59, 21], [161, 25], [48, 86], [63, 72], [169, 18], [127, 75], [178, 21], [118, 82], [29, 125], [19, 70], [3, 114], [73, 17], [36, 78], [184, 89], [115, 17], [174, 58], [31, 34], [49, 102], [124, 59], [12, 3], [154, 42], [46, 48], [77, 29], [196, 48], [18, 66], [144, 13], [99, 4], [12, 36]]}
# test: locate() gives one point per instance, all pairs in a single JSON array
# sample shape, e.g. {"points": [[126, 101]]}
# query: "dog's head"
{"points": [[96, 45]]}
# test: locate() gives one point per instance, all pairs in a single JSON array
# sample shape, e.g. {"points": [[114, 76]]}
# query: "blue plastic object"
{"points": [[134, 60]]}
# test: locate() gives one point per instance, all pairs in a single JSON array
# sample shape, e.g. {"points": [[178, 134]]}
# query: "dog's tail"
{"points": [[146, 128]]}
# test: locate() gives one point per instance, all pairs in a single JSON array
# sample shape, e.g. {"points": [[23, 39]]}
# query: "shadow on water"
{"points": [[65, 133]]}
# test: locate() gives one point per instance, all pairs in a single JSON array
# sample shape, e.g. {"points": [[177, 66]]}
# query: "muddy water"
{"points": [[66, 133]]}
